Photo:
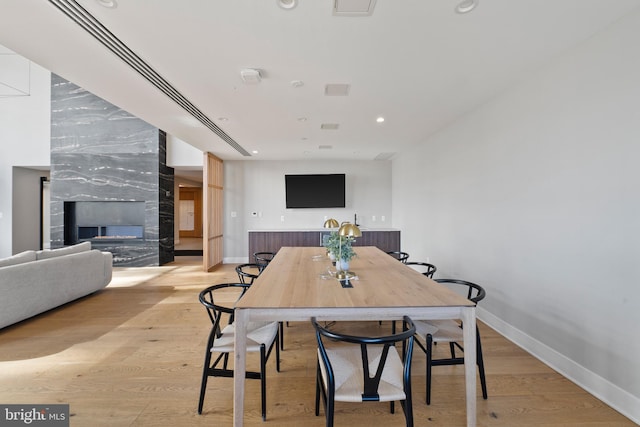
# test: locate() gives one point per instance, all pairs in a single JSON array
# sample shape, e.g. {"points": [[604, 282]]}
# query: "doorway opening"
{"points": [[189, 222]]}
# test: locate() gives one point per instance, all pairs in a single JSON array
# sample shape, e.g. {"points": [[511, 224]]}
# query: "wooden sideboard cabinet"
{"points": [[272, 241]]}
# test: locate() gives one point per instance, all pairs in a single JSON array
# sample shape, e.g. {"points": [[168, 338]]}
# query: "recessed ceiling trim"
{"points": [[90, 24]]}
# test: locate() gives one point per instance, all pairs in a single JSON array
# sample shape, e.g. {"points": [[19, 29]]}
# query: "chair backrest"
{"points": [[423, 267], [249, 272], [400, 256], [475, 293], [370, 383], [215, 310], [263, 259]]}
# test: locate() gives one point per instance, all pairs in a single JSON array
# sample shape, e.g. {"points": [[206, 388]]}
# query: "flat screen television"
{"points": [[315, 191]]}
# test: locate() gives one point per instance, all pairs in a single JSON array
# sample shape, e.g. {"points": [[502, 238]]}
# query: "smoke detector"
{"points": [[250, 75]]}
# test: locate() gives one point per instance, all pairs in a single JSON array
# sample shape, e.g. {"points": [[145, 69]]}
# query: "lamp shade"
{"points": [[349, 230], [331, 223]]}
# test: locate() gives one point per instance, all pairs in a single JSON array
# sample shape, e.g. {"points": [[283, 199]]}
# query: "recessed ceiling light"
{"points": [[255, 151], [297, 83], [329, 126], [466, 6], [380, 119], [111, 4], [287, 4], [223, 119], [302, 119]]}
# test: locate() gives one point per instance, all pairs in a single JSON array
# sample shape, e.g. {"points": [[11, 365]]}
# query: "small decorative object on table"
{"points": [[347, 232]]}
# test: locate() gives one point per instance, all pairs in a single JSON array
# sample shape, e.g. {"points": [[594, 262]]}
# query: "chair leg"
{"points": [[263, 380], [225, 360], [407, 407], [480, 362], [318, 390], [205, 377], [329, 409], [281, 330], [429, 346], [277, 355]]}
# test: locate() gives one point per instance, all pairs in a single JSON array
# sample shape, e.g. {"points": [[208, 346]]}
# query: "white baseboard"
{"points": [[619, 399]]}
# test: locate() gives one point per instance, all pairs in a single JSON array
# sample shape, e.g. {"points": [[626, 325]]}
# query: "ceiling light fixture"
{"points": [[287, 4], [111, 4], [297, 83], [466, 6], [380, 119]]}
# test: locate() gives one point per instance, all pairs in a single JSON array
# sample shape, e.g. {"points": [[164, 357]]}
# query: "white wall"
{"points": [[26, 209], [258, 186], [535, 196], [24, 141]]}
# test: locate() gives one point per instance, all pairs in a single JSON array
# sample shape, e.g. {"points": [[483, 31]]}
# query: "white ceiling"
{"points": [[415, 62]]}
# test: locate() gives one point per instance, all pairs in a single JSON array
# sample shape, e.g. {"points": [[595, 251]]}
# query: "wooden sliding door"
{"points": [[213, 173]]}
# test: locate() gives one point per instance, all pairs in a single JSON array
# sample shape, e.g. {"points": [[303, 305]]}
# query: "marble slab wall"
{"points": [[100, 152]]}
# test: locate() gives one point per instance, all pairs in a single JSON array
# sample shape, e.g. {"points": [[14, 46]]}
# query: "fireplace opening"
{"points": [[110, 232], [103, 221]]}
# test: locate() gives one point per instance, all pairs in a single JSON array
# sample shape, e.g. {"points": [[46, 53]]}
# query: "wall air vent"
{"points": [[91, 25], [353, 7]]}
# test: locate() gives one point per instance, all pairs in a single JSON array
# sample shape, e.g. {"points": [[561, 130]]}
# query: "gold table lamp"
{"points": [[331, 223]]}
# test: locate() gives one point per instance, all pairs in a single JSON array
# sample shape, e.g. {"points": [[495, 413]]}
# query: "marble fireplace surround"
{"points": [[105, 155]]}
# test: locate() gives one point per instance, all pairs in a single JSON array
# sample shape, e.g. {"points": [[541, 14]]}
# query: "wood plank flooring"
{"points": [[131, 355]]}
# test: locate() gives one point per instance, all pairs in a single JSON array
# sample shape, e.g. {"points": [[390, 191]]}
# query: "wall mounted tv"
{"points": [[315, 191]]}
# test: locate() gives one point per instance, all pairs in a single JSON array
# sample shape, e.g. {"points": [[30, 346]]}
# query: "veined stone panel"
{"points": [[100, 152]]}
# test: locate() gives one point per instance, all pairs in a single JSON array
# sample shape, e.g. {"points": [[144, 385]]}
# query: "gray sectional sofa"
{"points": [[33, 282]]}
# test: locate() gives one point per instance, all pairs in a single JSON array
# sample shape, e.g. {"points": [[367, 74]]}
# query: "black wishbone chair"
{"points": [[262, 337], [450, 331], [262, 259], [400, 256], [249, 272], [363, 369], [423, 267]]}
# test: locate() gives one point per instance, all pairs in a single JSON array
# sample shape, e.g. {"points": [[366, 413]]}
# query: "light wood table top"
{"points": [[298, 278], [294, 287]]}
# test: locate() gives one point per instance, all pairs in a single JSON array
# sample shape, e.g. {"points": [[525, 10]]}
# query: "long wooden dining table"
{"points": [[298, 285]]}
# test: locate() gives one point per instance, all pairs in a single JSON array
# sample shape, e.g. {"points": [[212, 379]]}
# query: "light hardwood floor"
{"points": [[131, 355]]}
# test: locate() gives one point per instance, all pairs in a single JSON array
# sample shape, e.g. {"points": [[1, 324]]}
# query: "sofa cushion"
{"points": [[25, 256], [67, 250]]}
